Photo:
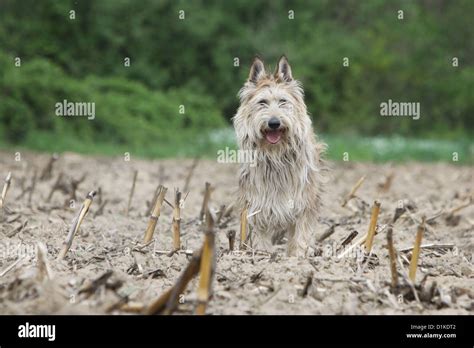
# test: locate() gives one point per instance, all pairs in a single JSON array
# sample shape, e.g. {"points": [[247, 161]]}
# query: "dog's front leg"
{"points": [[299, 236], [262, 240]]}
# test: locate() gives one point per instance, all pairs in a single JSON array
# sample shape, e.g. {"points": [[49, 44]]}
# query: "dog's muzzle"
{"points": [[274, 132]]}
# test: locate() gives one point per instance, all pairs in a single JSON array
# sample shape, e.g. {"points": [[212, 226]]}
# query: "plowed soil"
{"points": [[244, 282]]}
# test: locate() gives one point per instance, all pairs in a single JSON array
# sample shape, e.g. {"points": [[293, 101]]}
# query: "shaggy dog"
{"points": [[284, 184]]}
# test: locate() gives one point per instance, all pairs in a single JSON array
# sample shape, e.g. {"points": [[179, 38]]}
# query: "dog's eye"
{"points": [[263, 102], [282, 101]]}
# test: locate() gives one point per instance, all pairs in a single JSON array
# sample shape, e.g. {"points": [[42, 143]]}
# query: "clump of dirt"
{"points": [[109, 270]]}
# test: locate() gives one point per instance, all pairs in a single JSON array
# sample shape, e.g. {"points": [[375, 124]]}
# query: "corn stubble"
{"points": [[155, 215], [76, 224], [202, 262]]}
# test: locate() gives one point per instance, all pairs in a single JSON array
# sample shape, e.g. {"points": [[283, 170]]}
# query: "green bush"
{"points": [[191, 62], [15, 120], [126, 112]]}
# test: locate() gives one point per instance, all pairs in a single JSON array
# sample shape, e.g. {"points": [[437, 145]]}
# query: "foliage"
{"points": [[190, 62]]}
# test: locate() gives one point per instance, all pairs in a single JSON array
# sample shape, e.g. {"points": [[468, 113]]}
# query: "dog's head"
{"points": [[272, 112]]}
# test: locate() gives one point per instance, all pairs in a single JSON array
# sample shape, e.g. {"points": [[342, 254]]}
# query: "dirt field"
{"points": [[244, 283]]}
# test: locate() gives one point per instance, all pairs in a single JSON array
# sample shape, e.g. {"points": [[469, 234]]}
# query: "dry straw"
{"points": [[231, 237], [33, 186], [76, 223], [373, 224], [55, 187], [44, 269], [155, 215], [368, 237], [220, 214], [353, 191], [47, 172], [207, 266], [190, 174], [177, 220], [393, 258], [416, 250], [168, 301], [155, 197], [132, 191], [6, 186], [205, 201]]}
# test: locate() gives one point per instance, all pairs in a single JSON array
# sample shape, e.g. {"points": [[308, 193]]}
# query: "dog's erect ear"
{"points": [[283, 70], [257, 70]]}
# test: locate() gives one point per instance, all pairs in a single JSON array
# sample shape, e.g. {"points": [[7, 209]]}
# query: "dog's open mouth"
{"points": [[273, 136]]}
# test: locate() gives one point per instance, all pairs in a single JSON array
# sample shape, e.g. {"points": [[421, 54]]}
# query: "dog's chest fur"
{"points": [[276, 186]]}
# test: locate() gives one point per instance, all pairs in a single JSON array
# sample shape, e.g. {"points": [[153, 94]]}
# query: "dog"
{"points": [[285, 184]]}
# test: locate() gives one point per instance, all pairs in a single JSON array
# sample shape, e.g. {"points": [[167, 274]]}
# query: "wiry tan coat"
{"points": [[285, 183]]}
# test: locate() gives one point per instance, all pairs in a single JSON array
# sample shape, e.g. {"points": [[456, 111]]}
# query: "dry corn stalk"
{"points": [[14, 265], [6, 186], [99, 196], [327, 233], [385, 186], [228, 211], [353, 191], [91, 286], [190, 174], [231, 237], [416, 250], [55, 187], [33, 186], [359, 242], [177, 221], [168, 301], [430, 246], [207, 266], [44, 269], [460, 207], [100, 211], [205, 201], [178, 290], [132, 307], [46, 174], [76, 223], [161, 173], [393, 258], [73, 186], [155, 215], [373, 224], [135, 174], [155, 197], [348, 239], [158, 305], [243, 227], [220, 214]]}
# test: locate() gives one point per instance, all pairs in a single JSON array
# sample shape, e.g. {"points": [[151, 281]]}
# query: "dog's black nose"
{"points": [[274, 123]]}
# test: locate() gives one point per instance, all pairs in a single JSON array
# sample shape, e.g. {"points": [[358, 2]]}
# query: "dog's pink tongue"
{"points": [[273, 136]]}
